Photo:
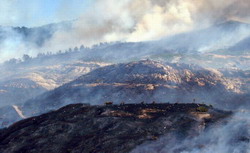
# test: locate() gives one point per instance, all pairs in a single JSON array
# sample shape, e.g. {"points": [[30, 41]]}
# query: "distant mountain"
{"points": [[81, 128], [36, 36], [189, 47], [220, 36], [242, 47]]}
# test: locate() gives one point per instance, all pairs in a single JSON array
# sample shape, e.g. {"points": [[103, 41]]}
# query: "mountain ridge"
{"points": [[133, 82]]}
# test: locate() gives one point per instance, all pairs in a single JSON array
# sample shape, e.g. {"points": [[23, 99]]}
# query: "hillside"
{"points": [[137, 81], [191, 47], [18, 90], [17, 86], [144, 80], [112, 128]]}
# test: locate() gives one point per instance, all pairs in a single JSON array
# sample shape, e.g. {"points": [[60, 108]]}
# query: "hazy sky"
{"points": [[38, 12]]}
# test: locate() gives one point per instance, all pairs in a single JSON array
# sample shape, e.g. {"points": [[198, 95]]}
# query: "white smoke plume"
{"points": [[140, 20]]}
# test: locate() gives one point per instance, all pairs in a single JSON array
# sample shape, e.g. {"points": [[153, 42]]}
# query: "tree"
{"points": [[76, 49], [40, 55], [59, 52], [49, 53], [12, 61], [82, 48], [26, 58]]}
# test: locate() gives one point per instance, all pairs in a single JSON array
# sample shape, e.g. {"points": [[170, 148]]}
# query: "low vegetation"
{"points": [[202, 109]]}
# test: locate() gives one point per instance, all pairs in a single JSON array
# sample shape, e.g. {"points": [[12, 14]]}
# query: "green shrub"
{"points": [[202, 109]]}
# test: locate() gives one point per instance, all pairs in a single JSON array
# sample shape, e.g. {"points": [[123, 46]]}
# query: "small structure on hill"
{"points": [[108, 103]]}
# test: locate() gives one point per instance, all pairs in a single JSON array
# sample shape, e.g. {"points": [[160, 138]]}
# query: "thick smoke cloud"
{"points": [[127, 21], [141, 20], [131, 20]]}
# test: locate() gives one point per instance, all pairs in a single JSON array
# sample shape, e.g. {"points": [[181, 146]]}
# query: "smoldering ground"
{"points": [[234, 136]]}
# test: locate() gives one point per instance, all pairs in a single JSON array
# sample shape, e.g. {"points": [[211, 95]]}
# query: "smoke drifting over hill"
{"points": [[127, 20], [234, 136], [141, 20]]}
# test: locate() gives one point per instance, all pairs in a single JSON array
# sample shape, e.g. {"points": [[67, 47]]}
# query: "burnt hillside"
{"points": [[111, 128]]}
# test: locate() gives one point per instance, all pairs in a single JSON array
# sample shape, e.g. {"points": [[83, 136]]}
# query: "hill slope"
{"points": [[26, 82], [141, 81], [115, 128]]}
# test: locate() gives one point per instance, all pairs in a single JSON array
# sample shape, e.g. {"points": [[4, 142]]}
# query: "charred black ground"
{"points": [[107, 128]]}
